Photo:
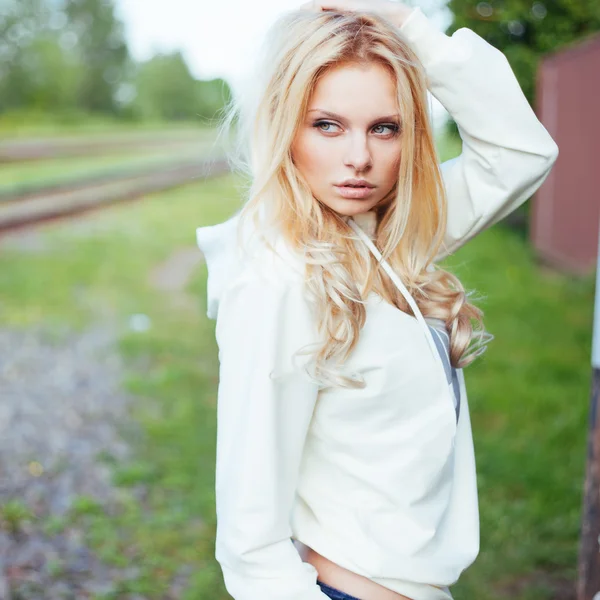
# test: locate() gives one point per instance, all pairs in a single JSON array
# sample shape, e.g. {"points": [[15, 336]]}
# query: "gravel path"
{"points": [[61, 406], [172, 276]]}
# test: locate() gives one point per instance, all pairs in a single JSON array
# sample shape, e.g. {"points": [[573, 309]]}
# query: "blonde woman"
{"points": [[345, 466]]}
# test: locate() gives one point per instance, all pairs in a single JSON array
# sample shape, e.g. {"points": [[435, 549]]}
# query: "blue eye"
{"points": [[319, 123], [393, 127]]}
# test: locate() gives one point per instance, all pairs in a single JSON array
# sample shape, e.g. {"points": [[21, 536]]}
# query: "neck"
{"points": [[367, 221]]}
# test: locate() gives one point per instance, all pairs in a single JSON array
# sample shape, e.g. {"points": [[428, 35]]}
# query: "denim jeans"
{"points": [[334, 593]]}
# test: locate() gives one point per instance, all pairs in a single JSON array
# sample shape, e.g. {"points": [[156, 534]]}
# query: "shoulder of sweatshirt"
{"points": [[431, 44], [235, 256]]}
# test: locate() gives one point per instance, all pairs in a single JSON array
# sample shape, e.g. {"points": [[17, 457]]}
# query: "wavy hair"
{"points": [[340, 274]]}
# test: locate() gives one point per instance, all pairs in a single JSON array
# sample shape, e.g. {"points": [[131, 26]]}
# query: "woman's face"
{"points": [[351, 130]]}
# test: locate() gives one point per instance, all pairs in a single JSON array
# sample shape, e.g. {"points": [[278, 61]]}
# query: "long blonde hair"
{"points": [[340, 274]]}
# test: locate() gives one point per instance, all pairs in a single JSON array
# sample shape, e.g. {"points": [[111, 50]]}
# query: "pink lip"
{"points": [[353, 192], [355, 182]]}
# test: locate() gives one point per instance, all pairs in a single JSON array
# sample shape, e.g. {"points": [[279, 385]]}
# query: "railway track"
{"points": [[68, 183], [92, 194]]}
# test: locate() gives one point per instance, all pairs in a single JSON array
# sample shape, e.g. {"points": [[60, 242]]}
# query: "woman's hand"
{"points": [[396, 12]]}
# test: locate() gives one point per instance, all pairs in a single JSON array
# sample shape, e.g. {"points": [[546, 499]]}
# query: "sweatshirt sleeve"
{"points": [[506, 154], [263, 414]]}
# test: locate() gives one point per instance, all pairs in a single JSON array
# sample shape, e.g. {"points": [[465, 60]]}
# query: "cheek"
{"points": [[391, 163], [311, 155]]}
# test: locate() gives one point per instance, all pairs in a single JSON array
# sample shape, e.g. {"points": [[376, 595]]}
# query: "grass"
{"points": [[41, 124], [529, 398], [98, 269], [528, 395], [49, 171]]}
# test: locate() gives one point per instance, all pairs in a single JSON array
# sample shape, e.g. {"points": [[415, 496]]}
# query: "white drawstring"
{"points": [[394, 277]]}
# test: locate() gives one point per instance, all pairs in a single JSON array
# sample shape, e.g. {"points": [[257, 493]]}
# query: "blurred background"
{"points": [[109, 160]]}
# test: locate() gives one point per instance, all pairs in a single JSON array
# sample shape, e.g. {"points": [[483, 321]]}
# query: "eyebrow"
{"points": [[340, 118]]}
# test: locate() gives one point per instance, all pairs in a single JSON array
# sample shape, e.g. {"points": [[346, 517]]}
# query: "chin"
{"points": [[349, 208]]}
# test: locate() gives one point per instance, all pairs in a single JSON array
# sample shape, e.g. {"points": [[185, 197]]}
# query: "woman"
{"points": [[345, 465]]}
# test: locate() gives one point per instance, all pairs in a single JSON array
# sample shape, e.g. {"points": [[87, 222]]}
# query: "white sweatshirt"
{"points": [[380, 480]]}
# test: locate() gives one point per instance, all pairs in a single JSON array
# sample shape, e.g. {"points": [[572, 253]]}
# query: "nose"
{"points": [[358, 156]]}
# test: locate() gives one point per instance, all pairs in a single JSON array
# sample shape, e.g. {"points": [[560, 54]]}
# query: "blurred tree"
{"points": [[212, 94], [101, 48], [35, 68], [166, 89], [69, 57], [60, 55], [53, 76]]}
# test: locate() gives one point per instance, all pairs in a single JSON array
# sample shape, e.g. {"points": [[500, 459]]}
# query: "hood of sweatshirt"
{"points": [[219, 244]]}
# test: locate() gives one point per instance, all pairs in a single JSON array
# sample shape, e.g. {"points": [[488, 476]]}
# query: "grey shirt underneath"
{"points": [[441, 338]]}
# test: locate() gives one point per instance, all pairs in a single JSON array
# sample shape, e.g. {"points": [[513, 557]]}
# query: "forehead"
{"points": [[353, 89]]}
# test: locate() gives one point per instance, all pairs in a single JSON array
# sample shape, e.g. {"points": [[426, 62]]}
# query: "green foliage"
{"points": [[84, 506], [101, 47], [166, 89], [13, 515], [61, 55], [70, 57]]}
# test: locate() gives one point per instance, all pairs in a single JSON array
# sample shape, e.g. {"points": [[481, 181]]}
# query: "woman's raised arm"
{"points": [[507, 153], [262, 422]]}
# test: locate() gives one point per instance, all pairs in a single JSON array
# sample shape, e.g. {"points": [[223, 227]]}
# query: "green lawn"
{"points": [[528, 393], [29, 123]]}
